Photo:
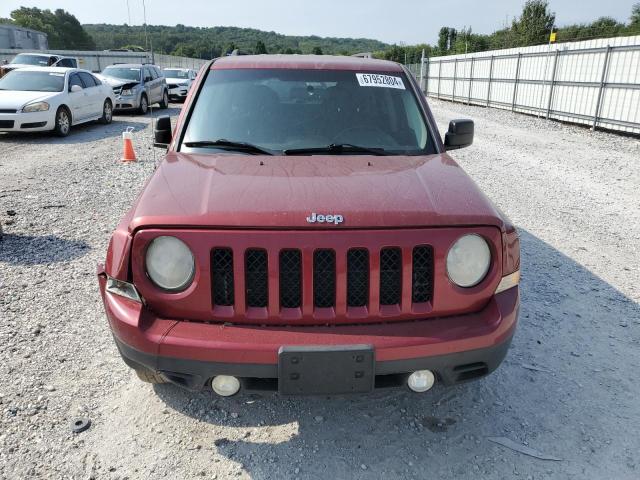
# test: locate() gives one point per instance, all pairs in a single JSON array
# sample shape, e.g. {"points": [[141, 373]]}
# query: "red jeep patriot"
{"points": [[308, 233]]}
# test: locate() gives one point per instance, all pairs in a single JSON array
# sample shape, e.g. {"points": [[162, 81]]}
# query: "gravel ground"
{"points": [[567, 388]]}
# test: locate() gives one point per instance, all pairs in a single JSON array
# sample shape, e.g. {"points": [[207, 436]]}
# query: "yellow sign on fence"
{"points": [[552, 37]]}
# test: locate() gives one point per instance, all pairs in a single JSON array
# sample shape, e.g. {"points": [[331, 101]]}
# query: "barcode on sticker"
{"points": [[377, 80]]}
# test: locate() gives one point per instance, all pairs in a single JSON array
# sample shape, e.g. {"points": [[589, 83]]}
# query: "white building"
{"points": [[19, 38]]}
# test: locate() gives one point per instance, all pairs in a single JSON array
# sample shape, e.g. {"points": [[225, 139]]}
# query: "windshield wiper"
{"points": [[229, 145], [336, 149]]}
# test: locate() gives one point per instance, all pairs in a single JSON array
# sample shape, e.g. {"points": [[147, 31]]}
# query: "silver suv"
{"points": [[136, 86]]}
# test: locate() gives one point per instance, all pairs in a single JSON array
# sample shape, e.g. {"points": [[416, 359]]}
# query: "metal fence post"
{"points": [[455, 75], [603, 79], [470, 81], [439, 76], [515, 86], [426, 83], [553, 82], [490, 78]]}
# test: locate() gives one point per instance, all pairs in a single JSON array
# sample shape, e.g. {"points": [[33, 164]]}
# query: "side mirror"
{"points": [[460, 134], [162, 133], [75, 88]]}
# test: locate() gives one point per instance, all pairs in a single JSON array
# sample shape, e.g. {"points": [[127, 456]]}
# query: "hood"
{"points": [[281, 192], [15, 100], [177, 81], [116, 82]]}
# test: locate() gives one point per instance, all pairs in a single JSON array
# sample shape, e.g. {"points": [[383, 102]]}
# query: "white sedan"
{"points": [[36, 99]]}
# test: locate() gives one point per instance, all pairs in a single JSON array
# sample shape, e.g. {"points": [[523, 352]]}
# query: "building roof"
{"points": [[306, 62]]}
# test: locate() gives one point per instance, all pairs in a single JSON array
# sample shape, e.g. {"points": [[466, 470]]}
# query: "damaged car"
{"points": [[136, 86]]}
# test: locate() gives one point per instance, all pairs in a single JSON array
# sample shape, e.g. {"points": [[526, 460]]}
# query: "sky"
{"points": [[402, 21]]}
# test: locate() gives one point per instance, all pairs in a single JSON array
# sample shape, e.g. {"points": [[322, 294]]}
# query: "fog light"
{"points": [[421, 381], [225, 385]]}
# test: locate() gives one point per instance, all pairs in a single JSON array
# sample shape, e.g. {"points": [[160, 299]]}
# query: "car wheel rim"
{"points": [[107, 112], [63, 122], [144, 105]]}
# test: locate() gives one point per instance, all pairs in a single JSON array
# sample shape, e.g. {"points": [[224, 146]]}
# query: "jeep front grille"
{"points": [[290, 279], [222, 270], [322, 278], [256, 278], [390, 276], [421, 277], [357, 277]]}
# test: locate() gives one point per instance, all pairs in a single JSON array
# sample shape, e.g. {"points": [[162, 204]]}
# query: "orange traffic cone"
{"points": [[128, 155]]}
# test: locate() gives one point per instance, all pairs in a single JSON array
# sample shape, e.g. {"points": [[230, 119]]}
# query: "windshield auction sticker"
{"points": [[377, 80]]}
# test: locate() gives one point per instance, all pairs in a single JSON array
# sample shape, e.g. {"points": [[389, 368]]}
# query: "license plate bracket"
{"points": [[322, 370]]}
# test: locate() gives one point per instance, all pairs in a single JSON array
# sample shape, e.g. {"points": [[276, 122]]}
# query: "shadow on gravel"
{"points": [[548, 393], [30, 250], [85, 133]]}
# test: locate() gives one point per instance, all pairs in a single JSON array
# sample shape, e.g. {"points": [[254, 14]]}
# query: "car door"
{"points": [[94, 107], [157, 83], [148, 85], [78, 101]]}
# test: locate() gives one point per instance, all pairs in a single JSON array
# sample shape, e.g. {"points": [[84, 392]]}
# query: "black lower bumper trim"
{"points": [[450, 369]]}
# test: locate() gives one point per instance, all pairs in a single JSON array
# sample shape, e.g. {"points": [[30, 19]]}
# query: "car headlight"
{"points": [[36, 107], [126, 92], [468, 261], [170, 264]]}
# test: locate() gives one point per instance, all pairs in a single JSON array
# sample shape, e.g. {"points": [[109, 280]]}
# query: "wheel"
{"points": [[107, 112], [148, 376], [63, 122], [165, 100], [144, 105]]}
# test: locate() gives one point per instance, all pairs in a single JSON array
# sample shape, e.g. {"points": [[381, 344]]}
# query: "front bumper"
{"points": [[178, 93], [27, 122], [456, 348], [129, 102]]}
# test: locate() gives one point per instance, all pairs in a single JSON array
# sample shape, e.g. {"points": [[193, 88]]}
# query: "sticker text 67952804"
{"points": [[378, 80]]}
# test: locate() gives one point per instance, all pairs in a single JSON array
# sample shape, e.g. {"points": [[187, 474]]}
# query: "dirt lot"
{"points": [[568, 388]]}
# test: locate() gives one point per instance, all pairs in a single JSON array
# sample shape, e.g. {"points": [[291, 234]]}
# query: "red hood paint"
{"points": [[274, 192]]}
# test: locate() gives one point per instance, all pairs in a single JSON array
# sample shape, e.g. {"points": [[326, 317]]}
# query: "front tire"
{"points": [[62, 122], [107, 113], [165, 100], [149, 376], [144, 105]]}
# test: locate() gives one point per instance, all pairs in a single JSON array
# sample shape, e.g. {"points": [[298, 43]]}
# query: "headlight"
{"points": [[468, 260], [36, 107], [126, 92], [170, 263]]}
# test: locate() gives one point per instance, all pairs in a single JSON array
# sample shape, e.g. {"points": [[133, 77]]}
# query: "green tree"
{"points": [[535, 23], [443, 40], [260, 48], [317, 51], [62, 28], [635, 16]]}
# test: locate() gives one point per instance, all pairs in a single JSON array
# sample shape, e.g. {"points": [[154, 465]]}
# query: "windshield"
{"points": [[24, 59], [279, 109], [127, 73], [175, 73], [32, 81]]}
